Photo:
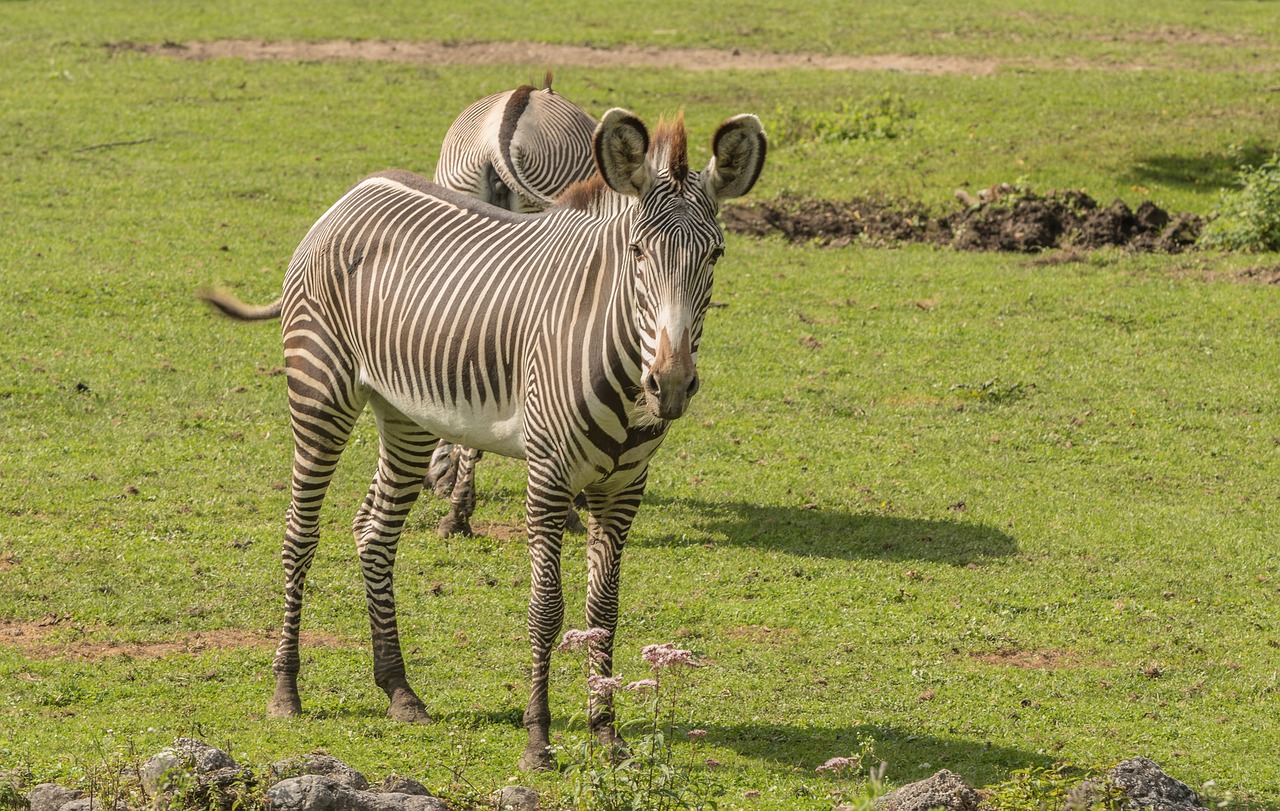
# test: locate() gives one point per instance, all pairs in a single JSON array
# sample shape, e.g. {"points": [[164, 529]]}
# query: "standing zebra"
{"points": [[567, 338], [518, 150]]}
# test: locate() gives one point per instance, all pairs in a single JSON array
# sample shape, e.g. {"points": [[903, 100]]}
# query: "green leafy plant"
{"points": [[1248, 218], [881, 117], [1060, 786]]}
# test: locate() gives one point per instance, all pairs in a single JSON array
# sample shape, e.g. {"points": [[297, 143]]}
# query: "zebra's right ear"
{"points": [[620, 144]]}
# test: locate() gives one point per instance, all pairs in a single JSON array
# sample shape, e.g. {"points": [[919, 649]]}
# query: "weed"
{"points": [[880, 117], [1248, 218], [648, 775], [1060, 786], [992, 391]]}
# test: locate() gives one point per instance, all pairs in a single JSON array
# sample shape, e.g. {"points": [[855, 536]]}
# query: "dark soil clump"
{"points": [[1001, 219]]}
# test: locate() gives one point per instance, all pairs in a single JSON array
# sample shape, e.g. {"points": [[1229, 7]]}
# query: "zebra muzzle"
{"points": [[672, 380]]}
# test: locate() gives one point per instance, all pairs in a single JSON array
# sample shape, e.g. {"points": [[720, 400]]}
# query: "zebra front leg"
{"points": [[403, 457], [443, 471], [462, 499], [546, 516], [610, 520]]}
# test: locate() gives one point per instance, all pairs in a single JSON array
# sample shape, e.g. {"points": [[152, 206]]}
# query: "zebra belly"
{"points": [[485, 427]]}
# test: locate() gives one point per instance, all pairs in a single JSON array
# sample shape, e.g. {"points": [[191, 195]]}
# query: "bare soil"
{"points": [[60, 638], [1003, 220], [540, 53]]}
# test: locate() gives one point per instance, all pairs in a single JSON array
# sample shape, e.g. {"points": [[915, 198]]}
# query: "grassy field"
{"points": [[979, 512]]}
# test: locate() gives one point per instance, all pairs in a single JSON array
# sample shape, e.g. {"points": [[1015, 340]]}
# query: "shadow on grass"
{"points": [[1213, 171], [834, 533], [910, 756]]}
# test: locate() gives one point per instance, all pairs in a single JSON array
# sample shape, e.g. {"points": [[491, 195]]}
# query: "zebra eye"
{"points": [[637, 252], [715, 256]]}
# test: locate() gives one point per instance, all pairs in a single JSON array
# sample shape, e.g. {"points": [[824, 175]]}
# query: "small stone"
{"points": [[517, 798], [945, 790], [1146, 785], [322, 765], [398, 784], [316, 792], [51, 797]]}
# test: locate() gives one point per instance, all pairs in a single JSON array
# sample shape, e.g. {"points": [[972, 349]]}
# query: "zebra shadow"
{"points": [[909, 756], [836, 533]]}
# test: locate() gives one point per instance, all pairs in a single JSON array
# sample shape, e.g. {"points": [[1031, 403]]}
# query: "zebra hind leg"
{"points": [[443, 471], [403, 457], [322, 423], [462, 499]]}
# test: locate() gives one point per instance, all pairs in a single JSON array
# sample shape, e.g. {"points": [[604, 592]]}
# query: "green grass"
{"points": [[994, 515]]}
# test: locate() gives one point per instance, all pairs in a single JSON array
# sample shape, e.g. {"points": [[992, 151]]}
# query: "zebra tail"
{"points": [[232, 307]]}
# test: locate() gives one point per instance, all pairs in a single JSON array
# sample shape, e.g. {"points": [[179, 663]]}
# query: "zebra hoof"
{"points": [[573, 523], [408, 708], [284, 705], [453, 524], [537, 758]]}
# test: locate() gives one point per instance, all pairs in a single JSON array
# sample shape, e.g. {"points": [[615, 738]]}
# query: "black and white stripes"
{"points": [[567, 338]]}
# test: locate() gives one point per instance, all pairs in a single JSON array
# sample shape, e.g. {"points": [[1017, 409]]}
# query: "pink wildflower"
{"points": [[837, 764], [603, 685], [661, 656], [712, 763], [696, 734], [574, 640], [642, 685], [751, 795]]}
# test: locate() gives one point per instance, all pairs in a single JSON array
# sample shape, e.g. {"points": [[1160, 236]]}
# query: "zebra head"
{"points": [[675, 239]]}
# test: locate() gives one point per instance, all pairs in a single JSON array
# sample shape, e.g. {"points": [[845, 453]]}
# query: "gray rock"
{"points": [[184, 762], [51, 797], [398, 784], [516, 798], [322, 765], [315, 792], [1145, 785], [945, 790]]}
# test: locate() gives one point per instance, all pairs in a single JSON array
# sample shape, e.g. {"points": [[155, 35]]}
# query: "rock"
{"points": [[398, 784], [187, 756], [945, 790], [204, 775], [323, 765], [51, 797], [516, 798], [1145, 785], [316, 792]]}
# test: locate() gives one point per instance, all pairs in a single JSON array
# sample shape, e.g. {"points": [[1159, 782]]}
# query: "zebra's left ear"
{"points": [[737, 151], [620, 144]]}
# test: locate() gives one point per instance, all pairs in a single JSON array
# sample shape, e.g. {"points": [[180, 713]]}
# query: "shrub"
{"points": [[1248, 219]]}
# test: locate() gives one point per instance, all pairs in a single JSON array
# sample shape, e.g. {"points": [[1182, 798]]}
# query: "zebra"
{"points": [[567, 338], [519, 150]]}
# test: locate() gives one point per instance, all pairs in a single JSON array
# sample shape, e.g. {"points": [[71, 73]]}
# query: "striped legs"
{"points": [[323, 411], [462, 498], [611, 518], [404, 452]]}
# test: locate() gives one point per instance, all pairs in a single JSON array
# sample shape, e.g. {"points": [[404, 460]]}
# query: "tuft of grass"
{"points": [[880, 117], [1248, 218]]}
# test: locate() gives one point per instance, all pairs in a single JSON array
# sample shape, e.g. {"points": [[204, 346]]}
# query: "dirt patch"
{"points": [[546, 54], [761, 634], [1043, 659], [1264, 274], [56, 638], [1002, 219]]}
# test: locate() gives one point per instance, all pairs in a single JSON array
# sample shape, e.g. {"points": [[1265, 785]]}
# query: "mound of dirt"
{"points": [[1003, 219]]}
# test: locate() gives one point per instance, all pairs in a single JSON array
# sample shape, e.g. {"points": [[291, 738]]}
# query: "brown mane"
{"points": [[670, 136]]}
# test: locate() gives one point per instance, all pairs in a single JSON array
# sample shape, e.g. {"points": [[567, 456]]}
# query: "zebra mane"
{"points": [[668, 149]]}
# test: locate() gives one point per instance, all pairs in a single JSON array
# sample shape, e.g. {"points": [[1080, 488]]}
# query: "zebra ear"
{"points": [[620, 144], [737, 156]]}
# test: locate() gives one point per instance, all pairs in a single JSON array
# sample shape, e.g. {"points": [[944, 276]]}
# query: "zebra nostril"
{"points": [[651, 385], [694, 385]]}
